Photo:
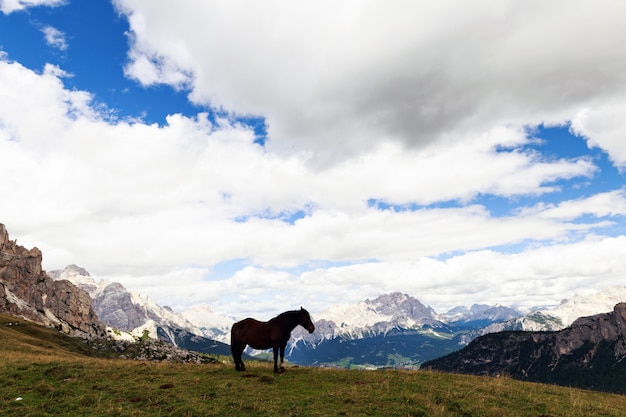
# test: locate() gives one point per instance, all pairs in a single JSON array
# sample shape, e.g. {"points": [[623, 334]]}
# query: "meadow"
{"points": [[44, 373]]}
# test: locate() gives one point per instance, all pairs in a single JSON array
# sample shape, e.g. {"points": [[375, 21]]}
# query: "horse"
{"points": [[264, 335]]}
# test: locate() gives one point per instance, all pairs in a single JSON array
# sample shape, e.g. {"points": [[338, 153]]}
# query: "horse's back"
{"points": [[239, 329], [245, 323], [257, 334]]}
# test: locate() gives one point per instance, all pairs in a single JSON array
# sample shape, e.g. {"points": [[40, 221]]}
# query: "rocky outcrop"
{"points": [[111, 301], [403, 310], [27, 291], [138, 314], [116, 307], [588, 354]]}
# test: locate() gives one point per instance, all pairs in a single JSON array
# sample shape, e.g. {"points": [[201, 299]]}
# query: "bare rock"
{"points": [[27, 291]]}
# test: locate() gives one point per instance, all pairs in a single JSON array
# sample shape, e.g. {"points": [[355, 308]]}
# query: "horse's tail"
{"points": [[234, 336], [237, 346]]}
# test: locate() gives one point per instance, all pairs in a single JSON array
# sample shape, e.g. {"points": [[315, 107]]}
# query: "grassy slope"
{"points": [[53, 377]]}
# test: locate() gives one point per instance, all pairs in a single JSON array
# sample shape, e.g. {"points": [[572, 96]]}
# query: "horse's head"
{"points": [[305, 320]]}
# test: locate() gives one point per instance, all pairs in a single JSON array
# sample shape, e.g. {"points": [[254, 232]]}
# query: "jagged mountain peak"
{"points": [[395, 301], [77, 276], [396, 298], [404, 308], [378, 316], [77, 269], [74, 272]]}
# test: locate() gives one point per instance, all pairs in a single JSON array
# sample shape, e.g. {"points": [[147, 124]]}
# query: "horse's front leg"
{"points": [[276, 370]]}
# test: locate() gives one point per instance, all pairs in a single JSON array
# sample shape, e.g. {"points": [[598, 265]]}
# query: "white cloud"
{"points": [[172, 195], [10, 6], [55, 38], [335, 79], [364, 103], [604, 128], [607, 204], [535, 277]]}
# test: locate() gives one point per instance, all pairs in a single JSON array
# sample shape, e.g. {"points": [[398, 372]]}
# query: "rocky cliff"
{"points": [[113, 304], [122, 309], [588, 354], [27, 291], [138, 314]]}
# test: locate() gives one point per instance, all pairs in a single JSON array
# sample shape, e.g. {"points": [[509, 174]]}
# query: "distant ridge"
{"points": [[564, 314], [588, 354]]}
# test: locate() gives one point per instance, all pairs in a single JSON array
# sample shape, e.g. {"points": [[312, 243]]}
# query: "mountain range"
{"points": [[140, 316], [564, 314], [392, 330], [583, 336], [588, 354]]}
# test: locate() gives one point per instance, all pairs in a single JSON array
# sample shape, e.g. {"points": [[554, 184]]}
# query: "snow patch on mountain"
{"points": [[386, 313], [349, 317], [478, 313], [583, 306], [75, 274], [566, 313]]}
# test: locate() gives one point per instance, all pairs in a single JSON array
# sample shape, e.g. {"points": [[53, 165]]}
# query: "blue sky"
{"points": [[96, 48], [259, 157]]}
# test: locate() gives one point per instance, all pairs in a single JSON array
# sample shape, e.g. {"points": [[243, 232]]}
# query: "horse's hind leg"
{"points": [[282, 359], [237, 351]]}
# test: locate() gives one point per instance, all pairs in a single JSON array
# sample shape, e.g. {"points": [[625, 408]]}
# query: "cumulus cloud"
{"points": [[10, 6], [385, 130], [144, 203], [607, 204], [55, 38], [334, 79], [603, 127], [536, 277]]}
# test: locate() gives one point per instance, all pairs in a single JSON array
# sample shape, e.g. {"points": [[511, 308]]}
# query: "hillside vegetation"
{"points": [[45, 373]]}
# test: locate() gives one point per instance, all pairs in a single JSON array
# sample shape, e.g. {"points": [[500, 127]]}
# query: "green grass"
{"points": [[55, 379]]}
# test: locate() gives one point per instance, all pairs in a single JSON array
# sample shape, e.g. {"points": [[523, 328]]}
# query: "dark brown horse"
{"points": [[265, 335]]}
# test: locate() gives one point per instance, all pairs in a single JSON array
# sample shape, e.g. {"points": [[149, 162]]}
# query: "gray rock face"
{"points": [[115, 307], [27, 291], [403, 307], [128, 311]]}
